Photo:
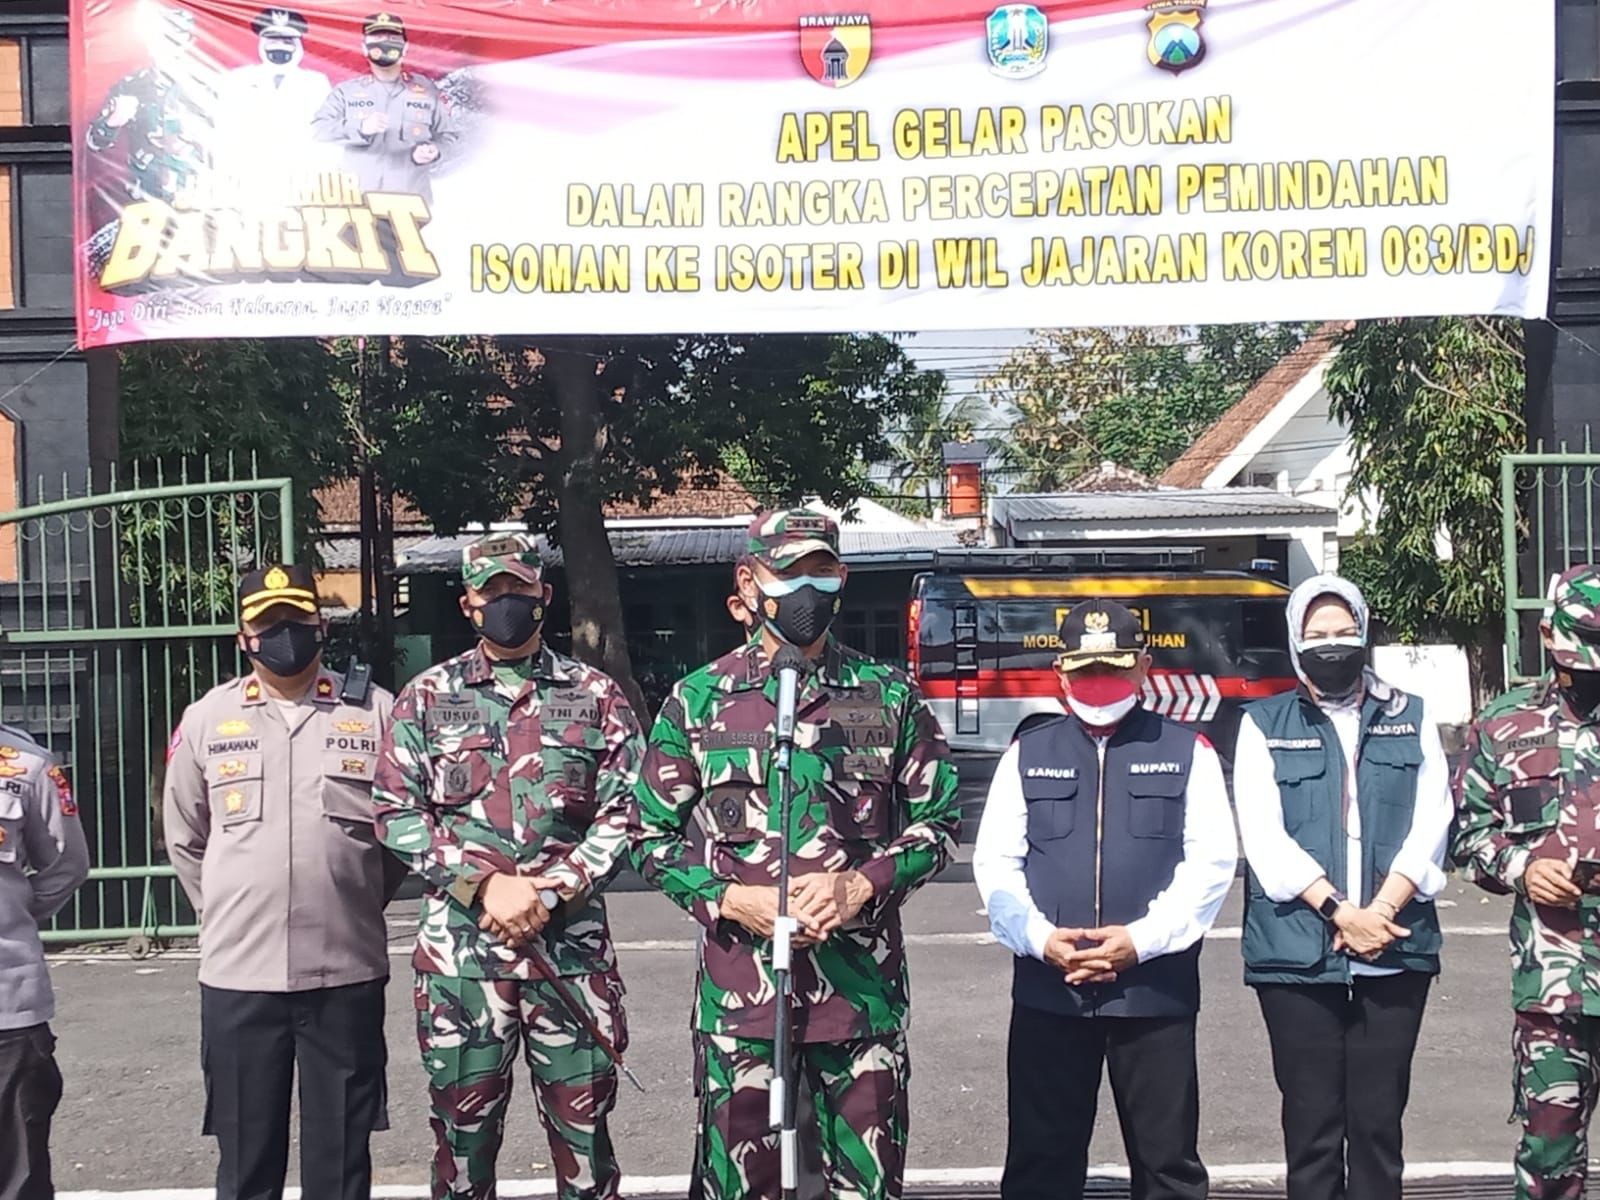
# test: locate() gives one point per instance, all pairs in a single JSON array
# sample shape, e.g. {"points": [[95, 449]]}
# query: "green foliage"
{"points": [[916, 465], [1137, 397], [1432, 405]]}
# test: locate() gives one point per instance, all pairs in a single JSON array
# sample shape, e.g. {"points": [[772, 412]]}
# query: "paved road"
{"points": [[129, 1049]]}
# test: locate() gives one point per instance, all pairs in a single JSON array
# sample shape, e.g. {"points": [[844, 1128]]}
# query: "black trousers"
{"points": [[30, 1089], [1053, 1067], [1342, 1058], [250, 1046]]}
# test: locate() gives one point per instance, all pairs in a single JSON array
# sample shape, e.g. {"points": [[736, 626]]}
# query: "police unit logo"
{"points": [[233, 803], [835, 48], [1019, 39], [1176, 43], [232, 768]]}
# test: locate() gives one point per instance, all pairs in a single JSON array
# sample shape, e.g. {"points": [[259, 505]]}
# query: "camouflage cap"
{"points": [[781, 539], [501, 554], [1574, 618]]}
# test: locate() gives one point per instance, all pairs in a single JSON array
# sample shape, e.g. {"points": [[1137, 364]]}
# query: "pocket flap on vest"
{"points": [[1393, 751], [1296, 766], [1157, 785]]}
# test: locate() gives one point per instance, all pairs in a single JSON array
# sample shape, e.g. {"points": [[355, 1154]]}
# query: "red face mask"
{"points": [[1099, 690], [1099, 699]]}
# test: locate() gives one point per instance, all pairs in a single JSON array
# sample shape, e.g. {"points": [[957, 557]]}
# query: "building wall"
{"points": [[57, 406]]}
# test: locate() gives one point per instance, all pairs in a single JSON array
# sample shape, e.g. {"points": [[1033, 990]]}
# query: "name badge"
{"points": [[448, 711]]}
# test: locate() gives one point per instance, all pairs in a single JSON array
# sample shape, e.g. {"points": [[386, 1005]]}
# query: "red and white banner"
{"points": [[630, 166]]}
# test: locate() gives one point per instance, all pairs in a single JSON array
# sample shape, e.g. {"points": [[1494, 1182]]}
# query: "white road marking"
{"points": [[677, 1185]]}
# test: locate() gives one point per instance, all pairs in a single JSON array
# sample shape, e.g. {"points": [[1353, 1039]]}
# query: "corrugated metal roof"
{"points": [[1177, 504], [344, 553], [686, 547]]}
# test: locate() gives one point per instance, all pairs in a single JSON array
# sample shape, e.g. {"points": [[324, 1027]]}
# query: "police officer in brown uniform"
{"points": [[394, 125], [269, 817]]}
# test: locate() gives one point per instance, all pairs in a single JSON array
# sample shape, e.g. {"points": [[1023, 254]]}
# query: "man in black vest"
{"points": [[1105, 851]]}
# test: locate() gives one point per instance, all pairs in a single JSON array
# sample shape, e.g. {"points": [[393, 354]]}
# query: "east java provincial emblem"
{"points": [[1018, 37], [835, 47], [1176, 41]]}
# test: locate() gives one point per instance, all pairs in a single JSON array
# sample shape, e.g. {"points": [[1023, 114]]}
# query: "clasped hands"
{"points": [[512, 908], [1105, 953], [1364, 932], [821, 902]]}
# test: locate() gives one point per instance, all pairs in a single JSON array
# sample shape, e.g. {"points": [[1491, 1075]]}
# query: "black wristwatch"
{"points": [[1331, 905]]}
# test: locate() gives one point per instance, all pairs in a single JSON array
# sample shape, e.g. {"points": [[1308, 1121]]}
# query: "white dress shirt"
{"points": [[1285, 870], [1175, 920]]}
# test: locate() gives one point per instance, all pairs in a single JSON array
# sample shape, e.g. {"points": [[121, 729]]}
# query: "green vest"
{"points": [[1290, 942]]}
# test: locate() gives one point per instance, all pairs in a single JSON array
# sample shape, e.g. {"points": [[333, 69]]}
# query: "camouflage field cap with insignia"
{"points": [[502, 554], [274, 584], [1100, 631], [382, 22], [1574, 619], [781, 539]]}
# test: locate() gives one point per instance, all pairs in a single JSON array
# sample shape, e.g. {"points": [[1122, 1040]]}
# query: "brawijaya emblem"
{"points": [[835, 48]]}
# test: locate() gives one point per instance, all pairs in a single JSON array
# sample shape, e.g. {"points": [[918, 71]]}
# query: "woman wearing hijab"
{"points": [[1344, 809]]}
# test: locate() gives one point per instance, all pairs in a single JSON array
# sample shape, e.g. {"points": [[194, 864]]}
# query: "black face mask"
{"points": [[279, 56], [1580, 689], [509, 621], [385, 54], [801, 617], [288, 648], [1335, 671]]}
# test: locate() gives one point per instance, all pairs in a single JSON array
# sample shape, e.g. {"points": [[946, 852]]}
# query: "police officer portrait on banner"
{"points": [[268, 821], [1104, 853], [1528, 792], [44, 859], [874, 815], [504, 784], [1343, 799], [394, 126]]}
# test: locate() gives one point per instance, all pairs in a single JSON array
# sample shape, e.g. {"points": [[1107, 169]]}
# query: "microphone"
{"points": [[788, 663]]}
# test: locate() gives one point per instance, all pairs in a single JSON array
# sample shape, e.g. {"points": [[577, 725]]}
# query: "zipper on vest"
{"points": [[1099, 826]]}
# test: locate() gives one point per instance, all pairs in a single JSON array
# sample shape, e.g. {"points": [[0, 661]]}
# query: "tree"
{"points": [[1138, 397], [1432, 405], [916, 466], [483, 428], [634, 419]]}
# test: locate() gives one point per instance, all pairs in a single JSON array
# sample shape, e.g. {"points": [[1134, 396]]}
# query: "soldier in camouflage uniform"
{"points": [[161, 114], [1529, 824], [504, 782], [875, 815]]}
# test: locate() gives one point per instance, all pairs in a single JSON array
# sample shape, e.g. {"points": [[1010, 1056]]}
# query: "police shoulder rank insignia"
{"points": [[835, 48], [233, 728], [252, 692], [353, 726], [324, 688], [1018, 40], [1176, 43]]}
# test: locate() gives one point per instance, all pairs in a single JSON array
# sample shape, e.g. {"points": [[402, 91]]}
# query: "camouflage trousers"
{"points": [[1557, 1075], [469, 1031], [858, 1092]]}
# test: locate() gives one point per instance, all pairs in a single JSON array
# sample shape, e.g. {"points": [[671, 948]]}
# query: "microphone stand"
{"points": [[787, 664]]}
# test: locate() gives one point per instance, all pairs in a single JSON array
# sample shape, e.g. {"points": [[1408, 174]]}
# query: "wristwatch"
{"points": [[1331, 905]]}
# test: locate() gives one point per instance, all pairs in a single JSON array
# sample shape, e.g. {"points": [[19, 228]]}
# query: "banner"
{"points": [[628, 166]]}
